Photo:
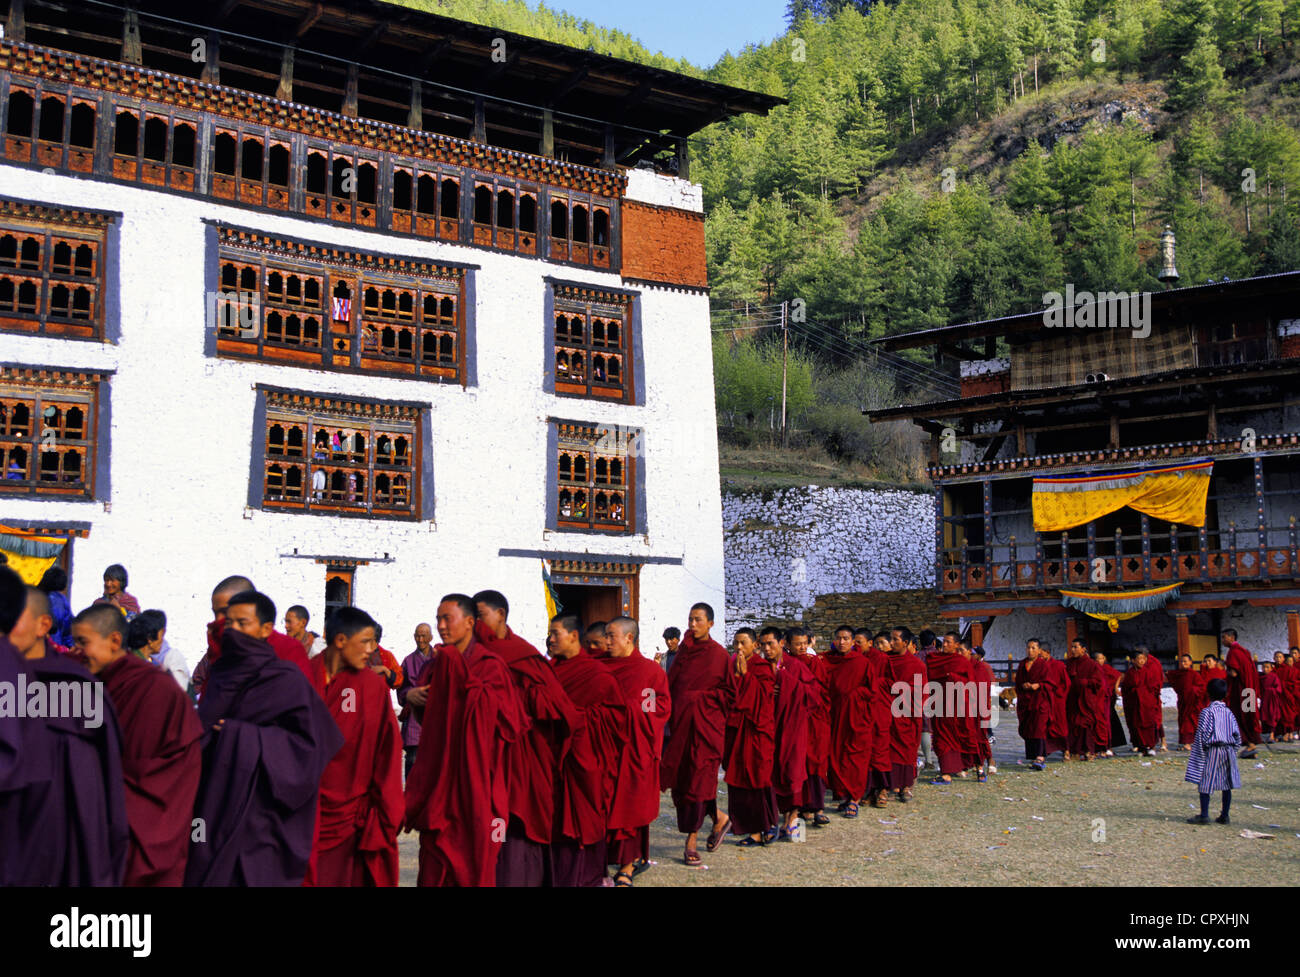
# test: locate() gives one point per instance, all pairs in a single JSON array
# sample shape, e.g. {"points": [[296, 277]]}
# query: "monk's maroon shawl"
{"points": [[905, 729], [853, 726], [701, 695], [644, 687], [753, 722], [796, 693], [584, 789]]}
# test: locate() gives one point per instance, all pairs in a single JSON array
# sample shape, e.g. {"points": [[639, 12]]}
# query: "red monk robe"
{"points": [[701, 695], [589, 772], [361, 789], [1033, 706], [1108, 731], [1244, 705], [907, 678], [458, 791], [1270, 697], [1141, 706], [982, 675], [551, 720], [1189, 685], [852, 692], [1056, 681], [796, 694], [751, 802], [819, 734], [286, 649], [882, 711], [950, 725], [161, 764], [1081, 710], [644, 687], [1290, 696]]}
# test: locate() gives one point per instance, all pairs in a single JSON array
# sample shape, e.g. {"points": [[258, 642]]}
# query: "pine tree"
{"points": [[1199, 80]]}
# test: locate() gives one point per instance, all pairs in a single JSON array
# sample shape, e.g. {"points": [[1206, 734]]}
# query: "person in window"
{"points": [[599, 370], [352, 486], [15, 471], [580, 507], [562, 365], [616, 512], [318, 484]]}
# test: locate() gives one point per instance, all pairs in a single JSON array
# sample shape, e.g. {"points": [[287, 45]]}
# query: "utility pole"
{"points": [[785, 346]]}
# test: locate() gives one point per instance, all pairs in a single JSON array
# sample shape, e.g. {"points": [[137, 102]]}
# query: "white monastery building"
{"points": [[367, 304]]}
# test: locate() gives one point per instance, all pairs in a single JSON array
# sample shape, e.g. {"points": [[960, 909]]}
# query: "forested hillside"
{"points": [[951, 160]]}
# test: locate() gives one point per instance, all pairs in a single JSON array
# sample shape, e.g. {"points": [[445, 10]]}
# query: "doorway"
{"points": [[590, 602]]}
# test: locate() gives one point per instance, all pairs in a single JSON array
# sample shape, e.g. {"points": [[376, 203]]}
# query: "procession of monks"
{"points": [[530, 770]]}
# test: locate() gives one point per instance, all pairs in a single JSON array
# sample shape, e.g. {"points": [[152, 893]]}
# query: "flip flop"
{"points": [[851, 811], [821, 820], [692, 858], [717, 834], [642, 865], [622, 881]]}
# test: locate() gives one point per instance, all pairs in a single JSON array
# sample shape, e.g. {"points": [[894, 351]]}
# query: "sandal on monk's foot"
{"points": [[851, 810], [843, 806], [749, 841], [902, 798], [718, 833], [642, 865], [622, 881], [821, 820], [940, 782], [692, 858]]}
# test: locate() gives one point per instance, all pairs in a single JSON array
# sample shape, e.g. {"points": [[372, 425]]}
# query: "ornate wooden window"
{"points": [[51, 270], [251, 166], [324, 454], [40, 127], [580, 229], [425, 201], [592, 343], [342, 186], [48, 432], [505, 215], [291, 301], [595, 476]]}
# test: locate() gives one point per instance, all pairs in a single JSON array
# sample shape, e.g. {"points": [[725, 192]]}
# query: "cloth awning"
{"points": [[1174, 493], [1119, 605], [30, 554]]}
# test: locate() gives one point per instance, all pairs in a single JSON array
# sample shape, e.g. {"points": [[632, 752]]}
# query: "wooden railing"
{"points": [[1232, 555]]}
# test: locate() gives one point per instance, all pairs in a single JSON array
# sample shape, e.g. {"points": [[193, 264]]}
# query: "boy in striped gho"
{"points": [[1213, 763]]}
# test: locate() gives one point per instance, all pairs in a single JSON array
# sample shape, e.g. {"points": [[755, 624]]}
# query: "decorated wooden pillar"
{"points": [[976, 633], [1183, 621], [1293, 628], [1071, 629]]}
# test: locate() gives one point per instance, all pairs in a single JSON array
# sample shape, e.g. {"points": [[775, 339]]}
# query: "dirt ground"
{"points": [[1114, 822]]}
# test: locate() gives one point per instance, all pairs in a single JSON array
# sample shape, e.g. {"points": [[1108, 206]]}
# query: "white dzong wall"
{"points": [[182, 436]]}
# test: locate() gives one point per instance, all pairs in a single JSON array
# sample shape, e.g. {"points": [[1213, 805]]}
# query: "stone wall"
{"points": [[805, 550]]}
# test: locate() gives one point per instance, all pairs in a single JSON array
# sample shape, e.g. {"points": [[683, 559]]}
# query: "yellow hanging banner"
{"points": [[1175, 493]]}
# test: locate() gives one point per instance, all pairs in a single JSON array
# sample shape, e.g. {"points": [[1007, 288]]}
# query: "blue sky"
{"points": [[698, 30]]}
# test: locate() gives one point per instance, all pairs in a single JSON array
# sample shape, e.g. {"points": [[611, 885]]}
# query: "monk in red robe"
{"points": [[1081, 707], [1189, 685], [1057, 681], [383, 662], [589, 773], [552, 719], [458, 791], [852, 722], [882, 712], [361, 805], [982, 675], [951, 711], [594, 641], [1034, 702], [266, 743], [812, 806], [1243, 691], [796, 690], [701, 694], [1109, 730], [907, 678], [1291, 691], [751, 801], [644, 687], [285, 648], [161, 760], [1141, 702]]}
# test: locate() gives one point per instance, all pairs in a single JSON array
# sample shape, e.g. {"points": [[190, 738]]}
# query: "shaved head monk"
{"points": [[594, 641], [589, 772], [285, 648], [1081, 705], [1033, 704], [951, 727], [644, 688], [701, 695], [796, 692], [552, 719], [267, 738], [852, 691], [1189, 685], [1109, 730], [905, 729], [161, 758], [70, 828], [751, 742], [458, 793], [361, 805], [819, 728], [1141, 692], [1243, 691]]}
